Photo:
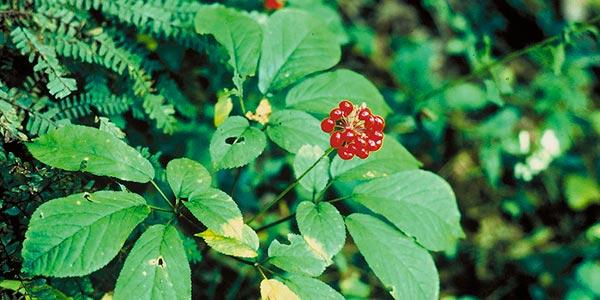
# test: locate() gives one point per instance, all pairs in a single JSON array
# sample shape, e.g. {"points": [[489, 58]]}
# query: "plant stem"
{"points": [[162, 194], [275, 223], [284, 219], [160, 209], [289, 187], [509, 57]]}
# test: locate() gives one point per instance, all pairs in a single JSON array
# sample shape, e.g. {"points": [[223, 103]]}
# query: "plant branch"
{"points": [[160, 209], [162, 194], [289, 187]]}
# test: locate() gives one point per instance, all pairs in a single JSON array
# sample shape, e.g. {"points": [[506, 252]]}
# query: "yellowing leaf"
{"points": [[271, 289], [263, 112], [222, 110], [246, 247]]}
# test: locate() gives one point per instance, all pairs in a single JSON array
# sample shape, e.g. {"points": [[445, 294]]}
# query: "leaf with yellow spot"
{"points": [[272, 289], [246, 247], [263, 112], [222, 109]]}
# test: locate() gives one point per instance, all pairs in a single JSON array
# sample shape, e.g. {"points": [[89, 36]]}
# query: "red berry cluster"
{"points": [[354, 130]]}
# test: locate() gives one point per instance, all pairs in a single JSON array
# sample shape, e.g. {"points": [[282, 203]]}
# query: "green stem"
{"points": [[160, 209], [509, 57], [162, 194], [286, 218], [289, 187]]}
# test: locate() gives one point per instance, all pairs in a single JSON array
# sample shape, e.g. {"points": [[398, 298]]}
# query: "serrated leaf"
{"points": [[272, 289], [391, 158], [236, 31], [419, 203], [81, 148], [185, 176], [322, 227], [316, 179], [81, 233], [156, 268], [310, 288], [247, 246], [235, 143], [327, 14], [406, 270], [217, 211], [323, 92], [295, 44], [291, 129], [296, 257]]}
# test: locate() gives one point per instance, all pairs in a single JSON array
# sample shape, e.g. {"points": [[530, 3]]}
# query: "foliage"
{"points": [[171, 149]]}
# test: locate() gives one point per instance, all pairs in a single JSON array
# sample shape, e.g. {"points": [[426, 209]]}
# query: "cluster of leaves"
{"points": [[290, 52]]}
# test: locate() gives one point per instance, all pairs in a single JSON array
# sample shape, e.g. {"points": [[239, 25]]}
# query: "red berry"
{"points": [[369, 122], [328, 125], [376, 135], [378, 123], [362, 153], [360, 141], [344, 153], [348, 135], [373, 145], [273, 4], [336, 114], [336, 140], [346, 107], [364, 113]]}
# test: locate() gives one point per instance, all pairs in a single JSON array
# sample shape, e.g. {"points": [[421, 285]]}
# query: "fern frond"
{"points": [[160, 112], [169, 89], [28, 44], [81, 106]]}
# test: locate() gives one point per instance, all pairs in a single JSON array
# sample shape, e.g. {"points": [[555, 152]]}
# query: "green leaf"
{"points": [[323, 92], [247, 246], [316, 179], [419, 203], [588, 275], [322, 227], [236, 31], [185, 175], [406, 270], [310, 288], [156, 268], [465, 97], [81, 148], [273, 289], [581, 192], [296, 257], [294, 45], [391, 158], [291, 129], [327, 14], [81, 233], [217, 211], [235, 143]]}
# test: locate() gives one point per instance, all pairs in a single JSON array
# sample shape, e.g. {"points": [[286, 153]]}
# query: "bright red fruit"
{"points": [[273, 4], [328, 125], [354, 130], [336, 140], [336, 114], [344, 153], [346, 107], [378, 123]]}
